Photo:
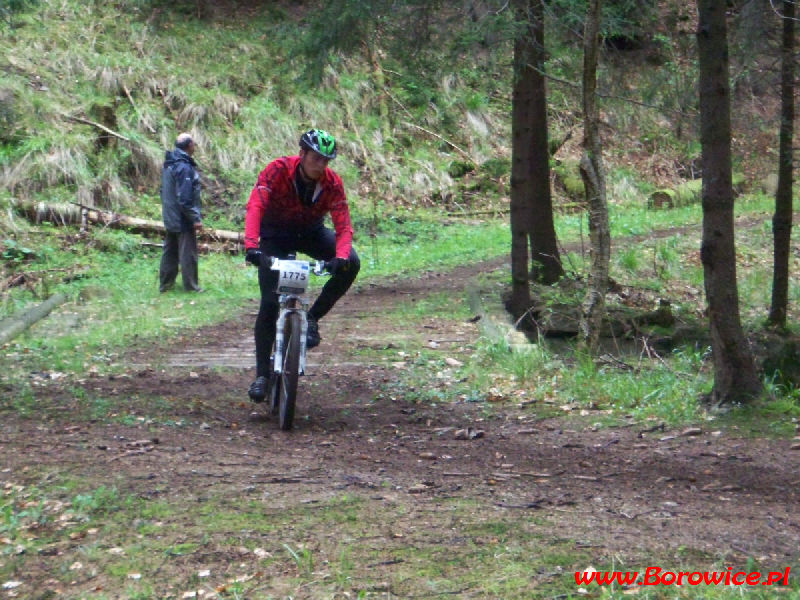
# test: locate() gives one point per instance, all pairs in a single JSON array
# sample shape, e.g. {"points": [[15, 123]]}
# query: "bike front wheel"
{"points": [[274, 392], [290, 371]]}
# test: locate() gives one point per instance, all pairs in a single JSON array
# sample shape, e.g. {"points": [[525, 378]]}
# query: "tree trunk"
{"points": [[531, 200], [521, 151], [782, 220], [593, 174], [546, 262], [735, 378]]}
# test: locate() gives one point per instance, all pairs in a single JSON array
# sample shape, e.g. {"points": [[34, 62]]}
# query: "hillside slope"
{"points": [[91, 94]]}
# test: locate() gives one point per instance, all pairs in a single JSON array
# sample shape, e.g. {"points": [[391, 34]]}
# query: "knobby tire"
{"points": [[274, 388], [290, 372]]}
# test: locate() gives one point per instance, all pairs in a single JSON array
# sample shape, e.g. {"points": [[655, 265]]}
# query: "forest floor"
{"points": [[693, 498]]}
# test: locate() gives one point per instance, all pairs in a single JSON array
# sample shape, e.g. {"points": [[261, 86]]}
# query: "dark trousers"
{"points": [[318, 243], [180, 250]]}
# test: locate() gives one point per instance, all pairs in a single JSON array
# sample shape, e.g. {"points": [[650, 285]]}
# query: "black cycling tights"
{"points": [[318, 243]]}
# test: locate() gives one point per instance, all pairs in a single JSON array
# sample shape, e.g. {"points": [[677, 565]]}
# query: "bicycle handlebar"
{"points": [[318, 267]]}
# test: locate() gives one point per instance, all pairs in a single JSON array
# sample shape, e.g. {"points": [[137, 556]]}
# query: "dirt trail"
{"points": [[621, 489]]}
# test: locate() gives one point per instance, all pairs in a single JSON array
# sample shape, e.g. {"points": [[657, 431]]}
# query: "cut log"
{"points": [[689, 192], [12, 327], [75, 214], [686, 193], [568, 173], [662, 199], [770, 185]]}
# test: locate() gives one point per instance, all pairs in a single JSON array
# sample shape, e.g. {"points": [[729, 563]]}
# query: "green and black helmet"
{"points": [[320, 141]]}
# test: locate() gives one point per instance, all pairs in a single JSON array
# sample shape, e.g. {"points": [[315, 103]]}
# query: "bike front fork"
{"points": [[288, 306]]}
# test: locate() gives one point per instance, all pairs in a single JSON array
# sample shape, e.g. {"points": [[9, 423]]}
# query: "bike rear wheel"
{"points": [[290, 372]]}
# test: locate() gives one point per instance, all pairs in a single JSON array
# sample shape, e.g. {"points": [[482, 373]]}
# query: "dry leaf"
{"points": [[468, 433]]}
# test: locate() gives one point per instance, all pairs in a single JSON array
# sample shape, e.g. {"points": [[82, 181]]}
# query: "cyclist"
{"points": [[285, 214]]}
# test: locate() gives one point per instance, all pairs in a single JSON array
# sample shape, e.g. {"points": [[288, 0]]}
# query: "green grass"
{"points": [[257, 547], [549, 379], [668, 388], [277, 544], [435, 304], [121, 306], [411, 244], [116, 305], [131, 75]]}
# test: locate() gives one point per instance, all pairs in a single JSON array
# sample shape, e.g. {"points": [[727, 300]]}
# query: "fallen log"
{"points": [[683, 195], [12, 327], [232, 248], [76, 214], [688, 192], [568, 174]]}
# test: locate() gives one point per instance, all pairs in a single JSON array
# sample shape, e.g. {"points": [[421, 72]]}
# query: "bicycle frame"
{"points": [[293, 276], [290, 303]]}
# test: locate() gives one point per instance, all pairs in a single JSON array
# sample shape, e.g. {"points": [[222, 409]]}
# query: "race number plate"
{"points": [[292, 276]]}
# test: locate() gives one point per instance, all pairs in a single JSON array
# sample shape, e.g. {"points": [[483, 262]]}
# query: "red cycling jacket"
{"points": [[275, 204]]}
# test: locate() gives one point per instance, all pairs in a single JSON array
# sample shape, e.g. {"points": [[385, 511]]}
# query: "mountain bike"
{"points": [[289, 349]]}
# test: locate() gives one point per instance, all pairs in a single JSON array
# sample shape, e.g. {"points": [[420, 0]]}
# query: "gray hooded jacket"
{"points": [[180, 192]]}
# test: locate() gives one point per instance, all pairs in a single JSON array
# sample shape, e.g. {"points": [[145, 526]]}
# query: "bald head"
{"points": [[185, 142]]}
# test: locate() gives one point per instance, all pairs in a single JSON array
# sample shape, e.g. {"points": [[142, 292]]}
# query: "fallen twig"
{"points": [[541, 475], [438, 137], [136, 452], [659, 427], [475, 213], [98, 125], [136, 108]]}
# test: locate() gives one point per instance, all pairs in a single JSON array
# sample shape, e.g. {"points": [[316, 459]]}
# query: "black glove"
{"points": [[254, 256], [338, 265]]}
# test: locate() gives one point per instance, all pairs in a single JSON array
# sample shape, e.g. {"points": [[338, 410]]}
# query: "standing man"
{"points": [[285, 214], [180, 206]]}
